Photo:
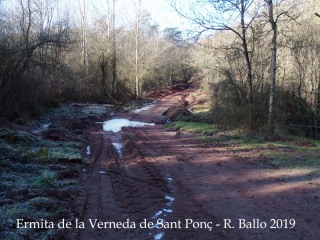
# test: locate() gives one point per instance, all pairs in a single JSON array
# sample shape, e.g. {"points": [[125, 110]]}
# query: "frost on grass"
{"points": [[39, 168], [32, 179]]}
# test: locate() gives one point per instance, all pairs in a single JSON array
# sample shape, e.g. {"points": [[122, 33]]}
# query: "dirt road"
{"points": [[188, 189]]}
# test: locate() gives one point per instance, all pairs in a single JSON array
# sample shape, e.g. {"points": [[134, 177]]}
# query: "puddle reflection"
{"points": [[115, 125]]}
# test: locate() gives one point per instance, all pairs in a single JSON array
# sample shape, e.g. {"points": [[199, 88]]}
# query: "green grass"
{"points": [[192, 127], [290, 152], [292, 155], [281, 154], [295, 159], [67, 150], [128, 108], [200, 109]]}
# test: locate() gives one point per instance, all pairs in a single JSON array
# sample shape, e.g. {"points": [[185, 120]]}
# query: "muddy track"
{"points": [[117, 192], [148, 174], [153, 144], [123, 186], [144, 182]]}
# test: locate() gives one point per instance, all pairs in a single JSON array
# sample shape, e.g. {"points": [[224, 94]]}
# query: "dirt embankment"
{"points": [[188, 188]]}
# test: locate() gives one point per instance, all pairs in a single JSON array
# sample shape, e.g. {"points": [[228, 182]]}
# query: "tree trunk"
{"points": [[104, 73], [82, 7], [137, 92], [114, 53], [273, 68], [248, 61]]}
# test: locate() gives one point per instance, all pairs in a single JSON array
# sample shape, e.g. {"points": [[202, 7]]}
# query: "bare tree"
{"points": [[33, 40], [273, 19], [215, 21], [83, 28], [273, 66], [114, 49], [137, 30]]}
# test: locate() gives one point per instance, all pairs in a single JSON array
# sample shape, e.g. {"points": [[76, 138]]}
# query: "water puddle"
{"points": [[158, 236], [157, 214], [88, 153], [170, 200], [160, 215], [169, 179], [145, 107], [168, 210], [88, 150], [115, 125], [118, 147]]}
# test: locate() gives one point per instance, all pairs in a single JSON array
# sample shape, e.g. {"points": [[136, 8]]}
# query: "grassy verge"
{"points": [[288, 152], [295, 153], [30, 166], [39, 171], [192, 127]]}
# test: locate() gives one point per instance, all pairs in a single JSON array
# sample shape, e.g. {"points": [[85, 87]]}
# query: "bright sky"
{"points": [[160, 10]]}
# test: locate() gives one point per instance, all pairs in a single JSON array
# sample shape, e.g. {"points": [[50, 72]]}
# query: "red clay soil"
{"points": [[176, 177]]}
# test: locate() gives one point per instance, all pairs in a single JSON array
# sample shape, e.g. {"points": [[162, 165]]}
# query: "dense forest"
{"points": [[49, 56], [258, 60]]}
